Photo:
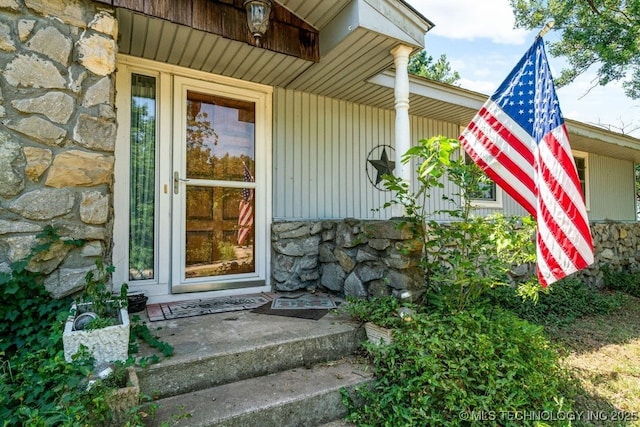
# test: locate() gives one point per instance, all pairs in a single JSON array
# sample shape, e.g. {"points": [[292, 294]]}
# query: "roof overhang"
{"points": [[452, 104], [356, 37]]}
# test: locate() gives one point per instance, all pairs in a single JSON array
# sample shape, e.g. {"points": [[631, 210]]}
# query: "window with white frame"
{"points": [[582, 165], [487, 194]]}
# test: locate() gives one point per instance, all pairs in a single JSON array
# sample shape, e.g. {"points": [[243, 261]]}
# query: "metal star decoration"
{"points": [[384, 166]]}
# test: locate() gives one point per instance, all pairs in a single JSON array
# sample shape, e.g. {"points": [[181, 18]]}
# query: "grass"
{"points": [[603, 353]]}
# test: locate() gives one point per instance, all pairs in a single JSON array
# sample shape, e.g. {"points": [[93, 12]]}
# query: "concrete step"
{"points": [[221, 348], [296, 397]]}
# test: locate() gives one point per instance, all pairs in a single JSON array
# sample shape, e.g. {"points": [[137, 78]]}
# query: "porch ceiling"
{"points": [[356, 37]]}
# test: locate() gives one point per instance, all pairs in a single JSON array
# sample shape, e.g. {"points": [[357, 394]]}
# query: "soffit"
{"points": [[316, 13], [353, 51]]}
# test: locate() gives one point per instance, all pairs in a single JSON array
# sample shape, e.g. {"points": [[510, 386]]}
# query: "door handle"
{"points": [[176, 182]]}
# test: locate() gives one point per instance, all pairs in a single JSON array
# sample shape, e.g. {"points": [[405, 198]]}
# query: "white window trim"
{"points": [[585, 156], [483, 203], [159, 288]]}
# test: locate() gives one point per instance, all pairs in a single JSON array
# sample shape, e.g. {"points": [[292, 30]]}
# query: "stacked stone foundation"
{"points": [[346, 257], [373, 258]]}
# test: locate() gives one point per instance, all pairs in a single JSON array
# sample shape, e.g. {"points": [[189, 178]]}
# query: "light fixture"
{"points": [[257, 17]]}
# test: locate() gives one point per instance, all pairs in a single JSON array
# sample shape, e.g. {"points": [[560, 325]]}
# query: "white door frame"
{"points": [[169, 81]]}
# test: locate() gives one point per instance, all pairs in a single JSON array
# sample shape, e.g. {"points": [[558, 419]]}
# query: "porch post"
{"points": [[403, 135]]}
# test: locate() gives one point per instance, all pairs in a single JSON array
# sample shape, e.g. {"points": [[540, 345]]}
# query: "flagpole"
{"points": [[545, 29]]}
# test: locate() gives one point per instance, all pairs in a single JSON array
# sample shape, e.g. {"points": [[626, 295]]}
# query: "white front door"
{"points": [[194, 150]]}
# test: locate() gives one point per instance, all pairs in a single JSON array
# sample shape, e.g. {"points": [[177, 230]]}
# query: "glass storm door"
{"points": [[214, 239]]}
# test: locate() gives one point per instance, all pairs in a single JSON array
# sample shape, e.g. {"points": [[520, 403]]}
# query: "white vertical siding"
{"points": [[611, 182], [320, 149]]}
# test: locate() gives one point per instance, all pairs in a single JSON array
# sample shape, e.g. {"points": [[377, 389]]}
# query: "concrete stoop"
{"points": [[247, 369]]}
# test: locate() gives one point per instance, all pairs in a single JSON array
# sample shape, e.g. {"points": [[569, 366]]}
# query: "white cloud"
{"points": [[472, 19], [479, 41]]}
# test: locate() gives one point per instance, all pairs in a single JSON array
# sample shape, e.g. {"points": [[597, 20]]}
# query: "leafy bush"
{"points": [[623, 280], [467, 257], [461, 369], [29, 314], [560, 304], [383, 311], [37, 386]]}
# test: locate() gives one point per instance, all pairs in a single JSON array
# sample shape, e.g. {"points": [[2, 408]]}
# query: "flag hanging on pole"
{"points": [[520, 140], [245, 215]]}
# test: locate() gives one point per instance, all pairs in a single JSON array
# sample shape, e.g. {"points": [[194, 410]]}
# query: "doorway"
{"points": [[194, 149]]}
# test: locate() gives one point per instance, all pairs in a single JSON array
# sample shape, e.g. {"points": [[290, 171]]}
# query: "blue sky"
{"points": [[480, 43]]}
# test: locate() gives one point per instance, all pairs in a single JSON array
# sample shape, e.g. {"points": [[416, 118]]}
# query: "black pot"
{"points": [[136, 302]]}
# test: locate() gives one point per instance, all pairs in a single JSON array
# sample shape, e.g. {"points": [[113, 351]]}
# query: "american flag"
{"points": [[245, 219], [520, 140]]}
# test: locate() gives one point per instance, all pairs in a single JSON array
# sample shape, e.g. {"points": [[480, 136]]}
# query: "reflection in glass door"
{"points": [[215, 185]]}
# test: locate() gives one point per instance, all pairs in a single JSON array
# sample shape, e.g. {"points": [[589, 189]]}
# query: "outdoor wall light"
{"points": [[257, 17]]}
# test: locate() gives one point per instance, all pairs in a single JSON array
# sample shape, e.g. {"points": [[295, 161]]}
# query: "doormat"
{"points": [[303, 302], [180, 309], [306, 313]]}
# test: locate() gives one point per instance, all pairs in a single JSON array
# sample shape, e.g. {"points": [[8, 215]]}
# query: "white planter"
{"points": [[377, 334], [105, 344]]}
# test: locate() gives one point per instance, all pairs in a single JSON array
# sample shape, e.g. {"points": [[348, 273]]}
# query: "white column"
{"points": [[403, 135]]}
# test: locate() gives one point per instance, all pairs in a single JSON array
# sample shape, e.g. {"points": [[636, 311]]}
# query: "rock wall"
{"points": [[617, 246], [351, 257], [363, 258], [57, 139]]}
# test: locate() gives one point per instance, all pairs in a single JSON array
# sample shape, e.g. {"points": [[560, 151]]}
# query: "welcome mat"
{"points": [[179, 309], [303, 302], [311, 314]]}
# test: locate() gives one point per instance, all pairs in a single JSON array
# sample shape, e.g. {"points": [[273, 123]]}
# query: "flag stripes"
{"points": [[502, 154], [521, 142], [245, 214]]}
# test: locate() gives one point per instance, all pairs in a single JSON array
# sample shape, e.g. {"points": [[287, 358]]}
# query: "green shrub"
{"points": [[623, 280], [465, 258], [473, 367], [560, 304], [383, 311], [37, 386], [29, 313]]}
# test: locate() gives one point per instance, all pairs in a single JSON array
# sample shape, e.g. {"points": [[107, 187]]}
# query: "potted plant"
{"points": [[379, 315], [125, 396], [98, 320]]}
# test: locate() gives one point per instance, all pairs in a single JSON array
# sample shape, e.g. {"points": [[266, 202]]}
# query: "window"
{"points": [[487, 194], [142, 178], [582, 165]]}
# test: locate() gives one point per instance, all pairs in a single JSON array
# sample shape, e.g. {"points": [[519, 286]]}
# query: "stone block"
{"points": [[31, 71], [38, 161], [77, 168], [44, 203], [51, 43]]}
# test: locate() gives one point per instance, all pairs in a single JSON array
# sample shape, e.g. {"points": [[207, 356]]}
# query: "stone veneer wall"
{"points": [[351, 257], [57, 63], [368, 258], [617, 246]]}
